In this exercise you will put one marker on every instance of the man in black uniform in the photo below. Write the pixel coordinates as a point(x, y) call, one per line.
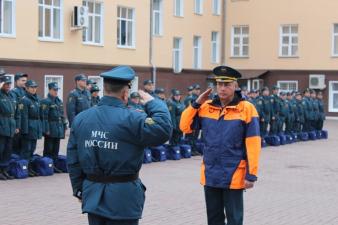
point(149, 87)
point(95, 98)
point(78, 99)
point(53, 122)
point(135, 102)
point(320, 121)
point(160, 93)
point(31, 123)
point(188, 97)
point(17, 94)
point(176, 107)
point(276, 102)
point(10, 119)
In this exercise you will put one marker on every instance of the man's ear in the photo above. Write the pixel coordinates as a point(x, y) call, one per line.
point(125, 94)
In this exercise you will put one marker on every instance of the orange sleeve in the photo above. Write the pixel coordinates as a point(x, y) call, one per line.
point(187, 119)
point(252, 143)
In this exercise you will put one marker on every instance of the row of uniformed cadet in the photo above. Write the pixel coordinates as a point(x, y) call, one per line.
point(288, 113)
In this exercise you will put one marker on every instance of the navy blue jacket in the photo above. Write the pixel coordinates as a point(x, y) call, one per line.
point(108, 140)
point(175, 108)
point(17, 94)
point(53, 120)
point(9, 115)
point(95, 100)
point(31, 125)
point(78, 101)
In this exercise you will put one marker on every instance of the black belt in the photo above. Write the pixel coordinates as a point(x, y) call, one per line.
point(112, 179)
point(7, 116)
point(56, 120)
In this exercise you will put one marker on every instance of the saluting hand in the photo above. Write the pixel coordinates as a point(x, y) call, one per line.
point(146, 97)
point(204, 96)
point(1, 84)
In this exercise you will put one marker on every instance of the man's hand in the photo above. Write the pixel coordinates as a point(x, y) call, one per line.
point(17, 131)
point(204, 96)
point(1, 84)
point(248, 184)
point(146, 97)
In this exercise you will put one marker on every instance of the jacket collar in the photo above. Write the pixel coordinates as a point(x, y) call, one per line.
point(81, 91)
point(33, 97)
point(111, 101)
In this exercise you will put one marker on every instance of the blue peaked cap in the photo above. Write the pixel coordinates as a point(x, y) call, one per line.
point(120, 73)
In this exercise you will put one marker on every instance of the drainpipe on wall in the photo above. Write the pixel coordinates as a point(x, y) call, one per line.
point(151, 46)
point(223, 24)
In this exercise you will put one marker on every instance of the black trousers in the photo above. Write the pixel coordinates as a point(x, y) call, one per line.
point(28, 148)
point(219, 200)
point(5, 151)
point(175, 138)
point(17, 143)
point(51, 147)
point(99, 220)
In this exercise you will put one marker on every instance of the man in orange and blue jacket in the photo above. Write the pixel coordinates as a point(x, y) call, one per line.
point(230, 127)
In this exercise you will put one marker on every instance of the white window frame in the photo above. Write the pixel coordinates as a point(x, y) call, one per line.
point(99, 84)
point(13, 34)
point(51, 39)
point(197, 50)
point(288, 82)
point(334, 54)
point(216, 44)
point(180, 51)
point(160, 12)
point(134, 85)
point(198, 7)
point(290, 35)
point(241, 45)
point(257, 84)
point(181, 2)
point(331, 93)
point(101, 16)
point(133, 20)
point(216, 7)
point(60, 92)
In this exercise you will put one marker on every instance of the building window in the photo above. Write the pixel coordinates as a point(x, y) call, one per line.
point(99, 82)
point(287, 85)
point(54, 78)
point(240, 41)
point(199, 7)
point(50, 20)
point(125, 27)
point(335, 40)
point(333, 96)
point(157, 17)
point(93, 34)
point(288, 41)
point(216, 7)
point(178, 7)
point(177, 55)
point(197, 54)
point(134, 85)
point(257, 84)
point(7, 17)
point(214, 47)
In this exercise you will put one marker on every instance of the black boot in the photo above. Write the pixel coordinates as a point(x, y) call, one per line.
point(9, 177)
point(57, 170)
point(2, 176)
point(31, 172)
